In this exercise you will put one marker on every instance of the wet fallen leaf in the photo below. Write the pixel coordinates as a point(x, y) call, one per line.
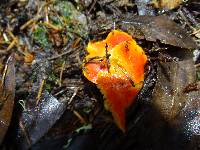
point(159, 28)
point(168, 94)
point(179, 107)
point(116, 65)
point(35, 122)
point(167, 4)
point(7, 94)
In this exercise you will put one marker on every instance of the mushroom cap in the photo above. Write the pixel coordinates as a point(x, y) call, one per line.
point(116, 65)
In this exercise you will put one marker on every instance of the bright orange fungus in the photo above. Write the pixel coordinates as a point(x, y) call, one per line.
point(116, 65)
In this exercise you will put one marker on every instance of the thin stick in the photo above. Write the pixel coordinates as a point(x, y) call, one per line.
point(31, 21)
point(92, 6)
point(61, 73)
point(58, 56)
point(40, 92)
point(82, 120)
point(46, 14)
point(5, 71)
point(195, 32)
point(4, 75)
point(5, 37)
point(107, 58)
point(12, 44)
point(51, 26)
point(25, 133)
point(74, 94)
point(197, 65)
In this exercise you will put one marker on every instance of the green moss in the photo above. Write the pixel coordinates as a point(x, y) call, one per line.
point(66, 9)
point(75, 21)
point(40, 37)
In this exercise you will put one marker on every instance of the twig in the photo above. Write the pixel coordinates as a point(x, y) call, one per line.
point(4, 51)
point(107, 58)
point(5, 37)
point(31, 21)
point(12, 44)
point(61, 73)
point(82, 120)
point(197, 65)
point(52, 26)
point(60, 55)
point(25, 133)
point(60, 92)
point(15, 42)
point(46, 14)
point(195, 32)
point(40, 92)
point(5, 70)
point(93, 4)
point(74, 94)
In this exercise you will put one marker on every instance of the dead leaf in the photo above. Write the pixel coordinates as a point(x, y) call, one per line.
point(7, 94)
point(159, 28)
point(166, 4)
point(35, 122)
point(181, 109)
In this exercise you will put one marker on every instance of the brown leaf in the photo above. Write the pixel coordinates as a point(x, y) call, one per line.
point(181, 109)
point(42, 118)
point(7, 94)
point(159, 28)
point(168, 94)
point(167, 4)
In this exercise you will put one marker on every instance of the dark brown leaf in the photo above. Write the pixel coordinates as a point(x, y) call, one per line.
point(35, 122)
point(180, 108)
point(7, 94)
point(159, 28)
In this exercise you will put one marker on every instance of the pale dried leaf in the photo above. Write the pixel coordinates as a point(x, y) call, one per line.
point(167, 4)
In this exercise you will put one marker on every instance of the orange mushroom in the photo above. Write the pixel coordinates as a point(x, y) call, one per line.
point(116, 65)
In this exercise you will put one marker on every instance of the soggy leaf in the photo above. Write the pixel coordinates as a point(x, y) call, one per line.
point(35, 122)
point(160, 28)
point(173, 77)
point(179, 107)
point(7, 94)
